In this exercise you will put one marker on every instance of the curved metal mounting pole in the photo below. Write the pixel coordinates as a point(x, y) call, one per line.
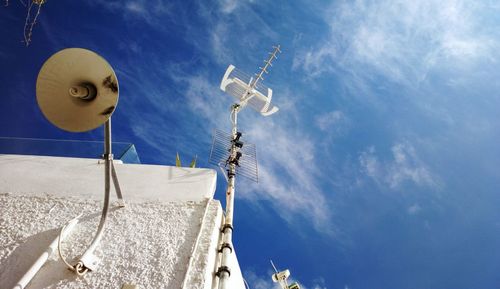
point(88, 261)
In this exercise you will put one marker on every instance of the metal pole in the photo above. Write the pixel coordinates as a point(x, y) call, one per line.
point(89, 261)
point(226, 249)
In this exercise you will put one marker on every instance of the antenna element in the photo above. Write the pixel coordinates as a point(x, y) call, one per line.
point(281, 278)
point(247, 89)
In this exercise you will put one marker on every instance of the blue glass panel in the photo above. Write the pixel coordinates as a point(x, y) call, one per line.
point(125, 152)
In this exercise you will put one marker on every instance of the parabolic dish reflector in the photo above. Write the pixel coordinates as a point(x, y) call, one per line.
point(77, 90)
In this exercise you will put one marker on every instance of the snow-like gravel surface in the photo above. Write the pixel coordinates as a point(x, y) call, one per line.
point(147, 244)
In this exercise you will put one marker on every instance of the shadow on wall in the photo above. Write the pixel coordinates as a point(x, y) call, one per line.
point(20, 261)
point(25, 255)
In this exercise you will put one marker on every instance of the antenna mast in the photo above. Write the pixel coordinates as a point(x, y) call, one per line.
point(246, 90)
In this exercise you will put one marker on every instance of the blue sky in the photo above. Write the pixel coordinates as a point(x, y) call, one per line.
point(379, 170)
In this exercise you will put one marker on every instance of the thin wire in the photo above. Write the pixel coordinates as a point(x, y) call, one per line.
point(59, 246)
point(26, 22)
point(223, 172)
point(246, 284)
point(33, 23)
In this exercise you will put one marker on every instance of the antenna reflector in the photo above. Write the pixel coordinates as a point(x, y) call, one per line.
point(221, 152)
point(77, 90)
point(246, 90)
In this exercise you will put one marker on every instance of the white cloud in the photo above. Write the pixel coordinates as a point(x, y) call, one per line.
point(288, 174)
point(219, 41)
point(228, 6)
point(150, 11)
point(369, 163)
point(330, 120)
point(405, 166)
point(226, 28)
point(414, 209)
point(402, 40)
point(313, 61)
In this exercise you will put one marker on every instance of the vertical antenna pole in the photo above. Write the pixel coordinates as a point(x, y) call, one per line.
point(89, 261)
point(227, 245)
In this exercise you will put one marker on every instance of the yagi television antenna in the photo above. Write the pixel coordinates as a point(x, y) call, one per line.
point(230, 153)
point(77, 91)
point(247, 90)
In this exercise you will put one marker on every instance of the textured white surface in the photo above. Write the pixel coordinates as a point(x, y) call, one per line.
point(148, 243)
point(145, 244)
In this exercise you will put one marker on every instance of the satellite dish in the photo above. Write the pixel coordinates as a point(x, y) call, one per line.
point(77, 90)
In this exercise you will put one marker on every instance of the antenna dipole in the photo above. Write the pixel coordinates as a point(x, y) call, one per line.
point(274, 267)
point(259, 76)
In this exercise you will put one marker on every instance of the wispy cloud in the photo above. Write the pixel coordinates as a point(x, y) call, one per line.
point(414, 209)
point(234, 24)
point(331, 121)
point(401, 40)
point(228, 6)
point(405, 166)
point(149, 11)
point(288, 175)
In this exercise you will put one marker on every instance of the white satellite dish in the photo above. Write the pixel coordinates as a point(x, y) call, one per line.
point(77, 91)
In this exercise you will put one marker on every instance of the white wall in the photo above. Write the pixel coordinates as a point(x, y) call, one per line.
point(148, 243)
point(85, 178)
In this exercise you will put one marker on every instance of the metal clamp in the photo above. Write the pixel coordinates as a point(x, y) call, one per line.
point(226, 226)
point(225, 245)
point(107, 157)
point(223, 269)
